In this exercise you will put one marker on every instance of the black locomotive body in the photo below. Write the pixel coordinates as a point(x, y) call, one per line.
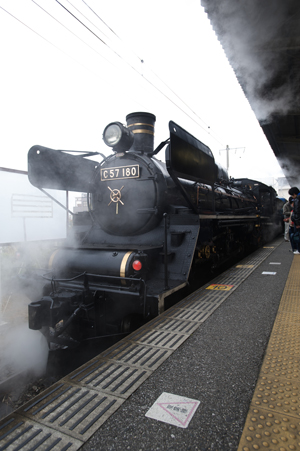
point(149, 228)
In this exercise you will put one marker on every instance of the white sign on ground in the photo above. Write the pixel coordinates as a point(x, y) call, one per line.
point(173, 409)
point(274, 263)
point(269, 273)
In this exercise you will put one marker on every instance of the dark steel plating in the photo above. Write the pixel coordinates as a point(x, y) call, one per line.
point(173, 218)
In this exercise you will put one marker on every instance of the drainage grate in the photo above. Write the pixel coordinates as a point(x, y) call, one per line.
point(191, 315)
point(20, 433)
point(73, 410)
point(173, 325)
point(161, 338)
point(143, 356)
point(109, 377)
point(206, 300)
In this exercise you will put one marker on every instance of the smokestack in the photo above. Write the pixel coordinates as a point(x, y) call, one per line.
point(142, 125)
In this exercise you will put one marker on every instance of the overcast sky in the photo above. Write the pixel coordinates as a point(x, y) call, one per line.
point(64, 78)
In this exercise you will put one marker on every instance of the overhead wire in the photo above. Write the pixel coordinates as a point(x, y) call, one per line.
point(100, 19)
point(54, 45)
point(101, 55)
point(74, 34)
point(57, 47)
point(103, 42)
point(31, 29)
point(142, 61)
point(120, 56)
point(50, 42)
point(145, 78)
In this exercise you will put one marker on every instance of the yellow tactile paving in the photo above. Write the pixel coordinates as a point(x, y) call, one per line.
point(283, 346)
point(278, 395)
point(270, 431)
point(280, 366)
point(289, 301)
point(287, 318)
point(273, 420)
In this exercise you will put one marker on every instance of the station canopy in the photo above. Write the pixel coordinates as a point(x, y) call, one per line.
point(261, 40)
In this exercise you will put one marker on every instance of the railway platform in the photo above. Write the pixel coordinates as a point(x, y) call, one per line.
point(219, 371)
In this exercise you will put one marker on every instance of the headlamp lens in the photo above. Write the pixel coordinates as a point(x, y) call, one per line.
point(112, 135)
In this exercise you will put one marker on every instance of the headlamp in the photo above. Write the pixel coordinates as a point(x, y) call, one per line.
point(118, 137)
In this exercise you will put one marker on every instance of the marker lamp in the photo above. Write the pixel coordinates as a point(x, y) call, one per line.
point(137, 265)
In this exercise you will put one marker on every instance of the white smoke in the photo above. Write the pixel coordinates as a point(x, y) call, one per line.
point(24, 350)
point(251, 34)
point(290, 170)
point(21, 349)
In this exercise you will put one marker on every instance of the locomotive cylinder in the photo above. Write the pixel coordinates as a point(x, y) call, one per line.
point(77, 261)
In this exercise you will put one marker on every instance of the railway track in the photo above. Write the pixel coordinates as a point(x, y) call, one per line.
point(19, 386)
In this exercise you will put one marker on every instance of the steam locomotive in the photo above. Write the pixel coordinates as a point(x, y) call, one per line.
point(149, 228)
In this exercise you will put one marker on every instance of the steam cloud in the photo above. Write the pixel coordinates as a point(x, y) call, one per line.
point(258, 41)
point(25, 349)
point(22, 349)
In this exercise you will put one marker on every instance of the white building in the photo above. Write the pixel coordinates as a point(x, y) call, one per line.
point(28, 214)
